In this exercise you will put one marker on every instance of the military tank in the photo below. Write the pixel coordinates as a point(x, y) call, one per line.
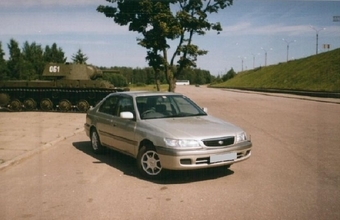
point(66, 87)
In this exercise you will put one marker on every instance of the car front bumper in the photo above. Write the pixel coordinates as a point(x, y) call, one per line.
point(203, 158)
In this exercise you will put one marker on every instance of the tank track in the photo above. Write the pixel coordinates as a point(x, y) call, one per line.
point(53, 99)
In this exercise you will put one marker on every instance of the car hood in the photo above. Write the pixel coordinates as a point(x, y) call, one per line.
point(194, 127)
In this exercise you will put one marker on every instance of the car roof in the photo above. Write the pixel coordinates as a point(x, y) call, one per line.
point(147, 93)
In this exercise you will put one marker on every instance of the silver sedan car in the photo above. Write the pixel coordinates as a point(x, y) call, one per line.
point(164, 131)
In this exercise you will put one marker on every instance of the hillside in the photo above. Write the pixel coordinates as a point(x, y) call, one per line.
point(320, 73)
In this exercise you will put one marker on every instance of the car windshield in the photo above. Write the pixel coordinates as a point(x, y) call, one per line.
point(167, 106)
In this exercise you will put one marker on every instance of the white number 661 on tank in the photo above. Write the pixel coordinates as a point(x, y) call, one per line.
point(54, 69)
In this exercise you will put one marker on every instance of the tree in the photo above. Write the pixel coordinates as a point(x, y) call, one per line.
point(79, 57)
point(230, 74)
point(159, 23)
point(115, 79)
point(15, 63)
point(33, 61)
point(3, 65)
point(54, 54)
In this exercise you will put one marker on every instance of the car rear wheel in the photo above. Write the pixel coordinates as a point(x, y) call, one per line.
point(148, 162)
point(95, 142)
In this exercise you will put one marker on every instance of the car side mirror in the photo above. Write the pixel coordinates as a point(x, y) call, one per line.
point(126, 115)
point(205, 109)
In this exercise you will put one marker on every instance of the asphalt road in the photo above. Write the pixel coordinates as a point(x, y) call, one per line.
point(293, 173)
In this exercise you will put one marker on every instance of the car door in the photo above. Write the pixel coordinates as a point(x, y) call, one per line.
point(123, 130)
point(106, 114)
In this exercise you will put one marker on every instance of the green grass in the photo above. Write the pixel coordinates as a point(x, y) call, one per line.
point(315, 73)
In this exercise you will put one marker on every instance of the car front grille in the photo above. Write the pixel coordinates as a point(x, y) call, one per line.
point(218, 142)
point(206, 160)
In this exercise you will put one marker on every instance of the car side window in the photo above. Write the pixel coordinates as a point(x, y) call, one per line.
point(109, 106)
point(125, 104)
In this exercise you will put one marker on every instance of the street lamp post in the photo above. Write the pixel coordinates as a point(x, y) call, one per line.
point(288, 42)
point(317, 37)
point(265, 56)
point(254, 59)
point(242, 61)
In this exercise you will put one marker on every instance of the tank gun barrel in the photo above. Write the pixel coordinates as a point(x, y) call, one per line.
point(110, 71)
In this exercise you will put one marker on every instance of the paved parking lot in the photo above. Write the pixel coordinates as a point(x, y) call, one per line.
point(25, 133)
point(294, 171)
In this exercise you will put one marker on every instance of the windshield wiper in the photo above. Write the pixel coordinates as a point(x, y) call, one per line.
point(187, 115)
point(200, 114)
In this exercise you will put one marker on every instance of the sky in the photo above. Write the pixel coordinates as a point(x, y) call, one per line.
point(255, 32)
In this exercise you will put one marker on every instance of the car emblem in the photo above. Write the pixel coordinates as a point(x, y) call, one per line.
point(220, 142)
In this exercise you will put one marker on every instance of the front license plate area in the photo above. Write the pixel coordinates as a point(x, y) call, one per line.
point(223, 157)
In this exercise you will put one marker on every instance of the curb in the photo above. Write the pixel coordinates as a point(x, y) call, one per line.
point(289, 95)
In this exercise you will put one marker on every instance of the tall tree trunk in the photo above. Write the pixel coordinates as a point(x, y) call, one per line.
point(170, 78)
point(172, 85)
point(158, 85)
point(157, 81)
point(169, 75)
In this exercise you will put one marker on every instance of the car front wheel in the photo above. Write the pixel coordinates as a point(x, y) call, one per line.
point(148, 162)
point(95, 143)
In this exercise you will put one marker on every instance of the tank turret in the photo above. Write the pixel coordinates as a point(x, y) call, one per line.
point(65, 87)
point(72, 71)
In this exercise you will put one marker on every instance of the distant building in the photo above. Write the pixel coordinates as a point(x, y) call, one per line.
point(182, 82)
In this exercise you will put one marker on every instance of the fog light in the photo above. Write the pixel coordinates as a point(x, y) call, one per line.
point(185, 161)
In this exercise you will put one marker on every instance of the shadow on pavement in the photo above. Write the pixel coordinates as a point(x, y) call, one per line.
point(127, 165)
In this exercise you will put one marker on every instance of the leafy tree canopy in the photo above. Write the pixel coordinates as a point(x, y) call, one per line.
point(54, 54)
point(79, 57)
point(3, 65)
point(15, 62)
point(33, 60)
point(229, 75)
point(167, 20)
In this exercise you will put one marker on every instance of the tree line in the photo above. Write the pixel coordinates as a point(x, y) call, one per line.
point(28, 62)
point(146, 76)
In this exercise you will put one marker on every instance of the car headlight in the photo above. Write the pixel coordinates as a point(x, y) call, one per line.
point(182, 143)
point(241, 137)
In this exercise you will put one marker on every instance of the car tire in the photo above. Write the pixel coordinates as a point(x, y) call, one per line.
point(148, 162)
point(97, 148)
